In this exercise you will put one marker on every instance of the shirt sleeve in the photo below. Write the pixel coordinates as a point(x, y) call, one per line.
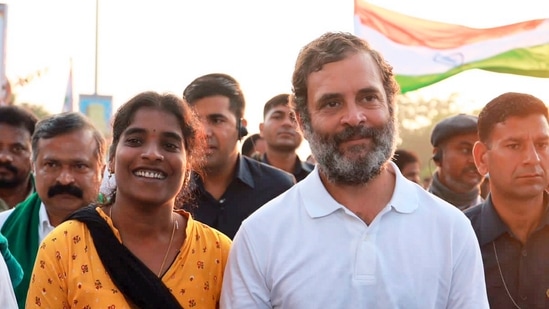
point(244, 284)
point(468, 288)
point(47, 287)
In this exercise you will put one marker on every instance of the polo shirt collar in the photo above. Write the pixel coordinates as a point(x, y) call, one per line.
point(243, 172)
point(319, 203)
point(492, 226)
point(405, 197)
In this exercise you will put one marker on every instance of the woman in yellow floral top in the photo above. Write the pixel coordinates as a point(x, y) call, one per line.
point(136, 251)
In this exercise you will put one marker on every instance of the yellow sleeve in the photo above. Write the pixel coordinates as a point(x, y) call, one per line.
point(48, 288)
point(226, 244)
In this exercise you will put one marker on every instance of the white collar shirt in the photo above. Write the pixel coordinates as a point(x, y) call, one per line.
point(44, 225)
point(305, 250)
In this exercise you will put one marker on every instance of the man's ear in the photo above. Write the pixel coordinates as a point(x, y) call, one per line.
point(300, 126)
point(437, 156)
point(261, 125)
point(480, 155)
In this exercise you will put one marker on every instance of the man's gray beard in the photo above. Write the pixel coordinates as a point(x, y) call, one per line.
point(364, 165)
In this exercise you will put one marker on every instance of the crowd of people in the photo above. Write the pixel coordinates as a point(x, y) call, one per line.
point(172, 214)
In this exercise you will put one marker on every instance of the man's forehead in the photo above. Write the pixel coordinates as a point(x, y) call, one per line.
point(8, 131)
point(281, 108)
point(218, 103)
point(55, 150)
point(65, 158)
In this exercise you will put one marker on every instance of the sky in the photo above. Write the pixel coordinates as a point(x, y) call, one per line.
point(163, 45)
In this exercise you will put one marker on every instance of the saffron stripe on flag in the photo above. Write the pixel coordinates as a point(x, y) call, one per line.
point(520, 48)
point(413, 31)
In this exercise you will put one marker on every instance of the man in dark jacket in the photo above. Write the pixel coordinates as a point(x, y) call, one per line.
point(233, 186)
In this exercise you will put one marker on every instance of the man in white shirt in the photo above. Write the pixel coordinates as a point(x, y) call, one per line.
point(354, 233)
point(68, 155)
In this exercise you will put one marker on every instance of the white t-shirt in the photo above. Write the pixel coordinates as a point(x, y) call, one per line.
point(7, 296)
point(305, 250)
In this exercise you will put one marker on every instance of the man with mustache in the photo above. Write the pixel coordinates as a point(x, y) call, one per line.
point(512, 225)
point(354, 233)
point(456, 179)
point(281, 134)
point(233, 186)
point(68, 155)
point(16, 180)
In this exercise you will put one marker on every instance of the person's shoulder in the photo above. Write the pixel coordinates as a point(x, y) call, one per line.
point(209, 233)
point(270, 223)
point(284, 205)
point(68, 229)
point(65, 236)
point(436, 206)
point(473, 213)
point(207, 236)
point(407, 191)
point(260, 169)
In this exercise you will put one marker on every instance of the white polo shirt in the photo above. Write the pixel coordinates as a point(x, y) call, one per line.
point(305, 250)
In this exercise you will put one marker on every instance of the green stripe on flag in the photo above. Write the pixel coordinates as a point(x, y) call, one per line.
point(533, 61)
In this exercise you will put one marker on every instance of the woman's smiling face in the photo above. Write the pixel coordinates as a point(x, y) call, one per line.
point(150, 159)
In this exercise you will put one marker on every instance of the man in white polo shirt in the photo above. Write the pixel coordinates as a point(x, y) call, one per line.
point(354, 233)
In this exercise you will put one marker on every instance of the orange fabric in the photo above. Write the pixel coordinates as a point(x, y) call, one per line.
point(413, 31)
point(69, 273)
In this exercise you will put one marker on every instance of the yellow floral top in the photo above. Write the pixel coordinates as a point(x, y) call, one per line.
point(68, 272)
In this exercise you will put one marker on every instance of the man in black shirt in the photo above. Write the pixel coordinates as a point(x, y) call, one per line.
point(233, 186)
point(281, 134)
point(512, 225)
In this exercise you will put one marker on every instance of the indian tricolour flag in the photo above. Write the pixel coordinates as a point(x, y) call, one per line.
point(424, 52)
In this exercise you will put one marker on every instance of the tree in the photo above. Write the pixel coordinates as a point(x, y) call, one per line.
point(416, 118)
